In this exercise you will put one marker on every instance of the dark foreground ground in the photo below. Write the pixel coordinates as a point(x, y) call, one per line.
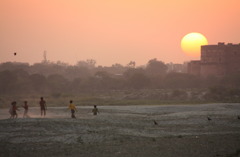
point(125, 131)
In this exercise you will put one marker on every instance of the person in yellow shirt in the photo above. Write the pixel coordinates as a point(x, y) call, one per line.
point(73, 109)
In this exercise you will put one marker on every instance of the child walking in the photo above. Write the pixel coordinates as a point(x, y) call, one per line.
point(25, 106)
point(14, 110)
point(95, 110)
point(73, 109)
point(43, 106)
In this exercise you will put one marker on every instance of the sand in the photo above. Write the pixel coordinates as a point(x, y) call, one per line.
point(124, 131)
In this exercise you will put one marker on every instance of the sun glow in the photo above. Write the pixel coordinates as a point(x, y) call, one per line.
point(192, 42)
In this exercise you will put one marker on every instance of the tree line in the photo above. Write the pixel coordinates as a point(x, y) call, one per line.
point(85, 76)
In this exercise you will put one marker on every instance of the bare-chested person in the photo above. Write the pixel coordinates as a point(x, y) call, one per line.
point(43, 106)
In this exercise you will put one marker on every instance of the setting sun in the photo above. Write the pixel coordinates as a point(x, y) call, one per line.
point(192, 42)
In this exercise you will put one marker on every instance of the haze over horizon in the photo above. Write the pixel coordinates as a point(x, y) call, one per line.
point(111, 31)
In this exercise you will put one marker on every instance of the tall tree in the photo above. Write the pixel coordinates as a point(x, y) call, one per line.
point(156, 68)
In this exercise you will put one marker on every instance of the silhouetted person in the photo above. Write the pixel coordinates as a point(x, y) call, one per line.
point(73, 109)
point(238, 117)
point(25, 106)
point(14, 110)
point(43, 106)
point(95, 110)
point(11, 110)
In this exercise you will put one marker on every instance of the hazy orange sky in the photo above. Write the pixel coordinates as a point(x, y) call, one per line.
point(111, 31)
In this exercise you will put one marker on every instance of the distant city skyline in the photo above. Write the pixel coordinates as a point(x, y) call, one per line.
point(111, 31)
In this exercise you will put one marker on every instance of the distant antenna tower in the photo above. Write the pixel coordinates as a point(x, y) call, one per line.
point(45, 56)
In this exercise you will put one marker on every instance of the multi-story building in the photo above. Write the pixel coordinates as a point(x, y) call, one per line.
point(180, 68)
point(194, 67)
point(218, 60)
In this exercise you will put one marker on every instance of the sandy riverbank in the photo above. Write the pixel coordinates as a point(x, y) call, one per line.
point(182, 130)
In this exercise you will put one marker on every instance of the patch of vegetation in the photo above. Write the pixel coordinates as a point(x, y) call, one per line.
point(87, 84)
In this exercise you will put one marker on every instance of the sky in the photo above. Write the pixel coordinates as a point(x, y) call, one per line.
point(111, 31)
